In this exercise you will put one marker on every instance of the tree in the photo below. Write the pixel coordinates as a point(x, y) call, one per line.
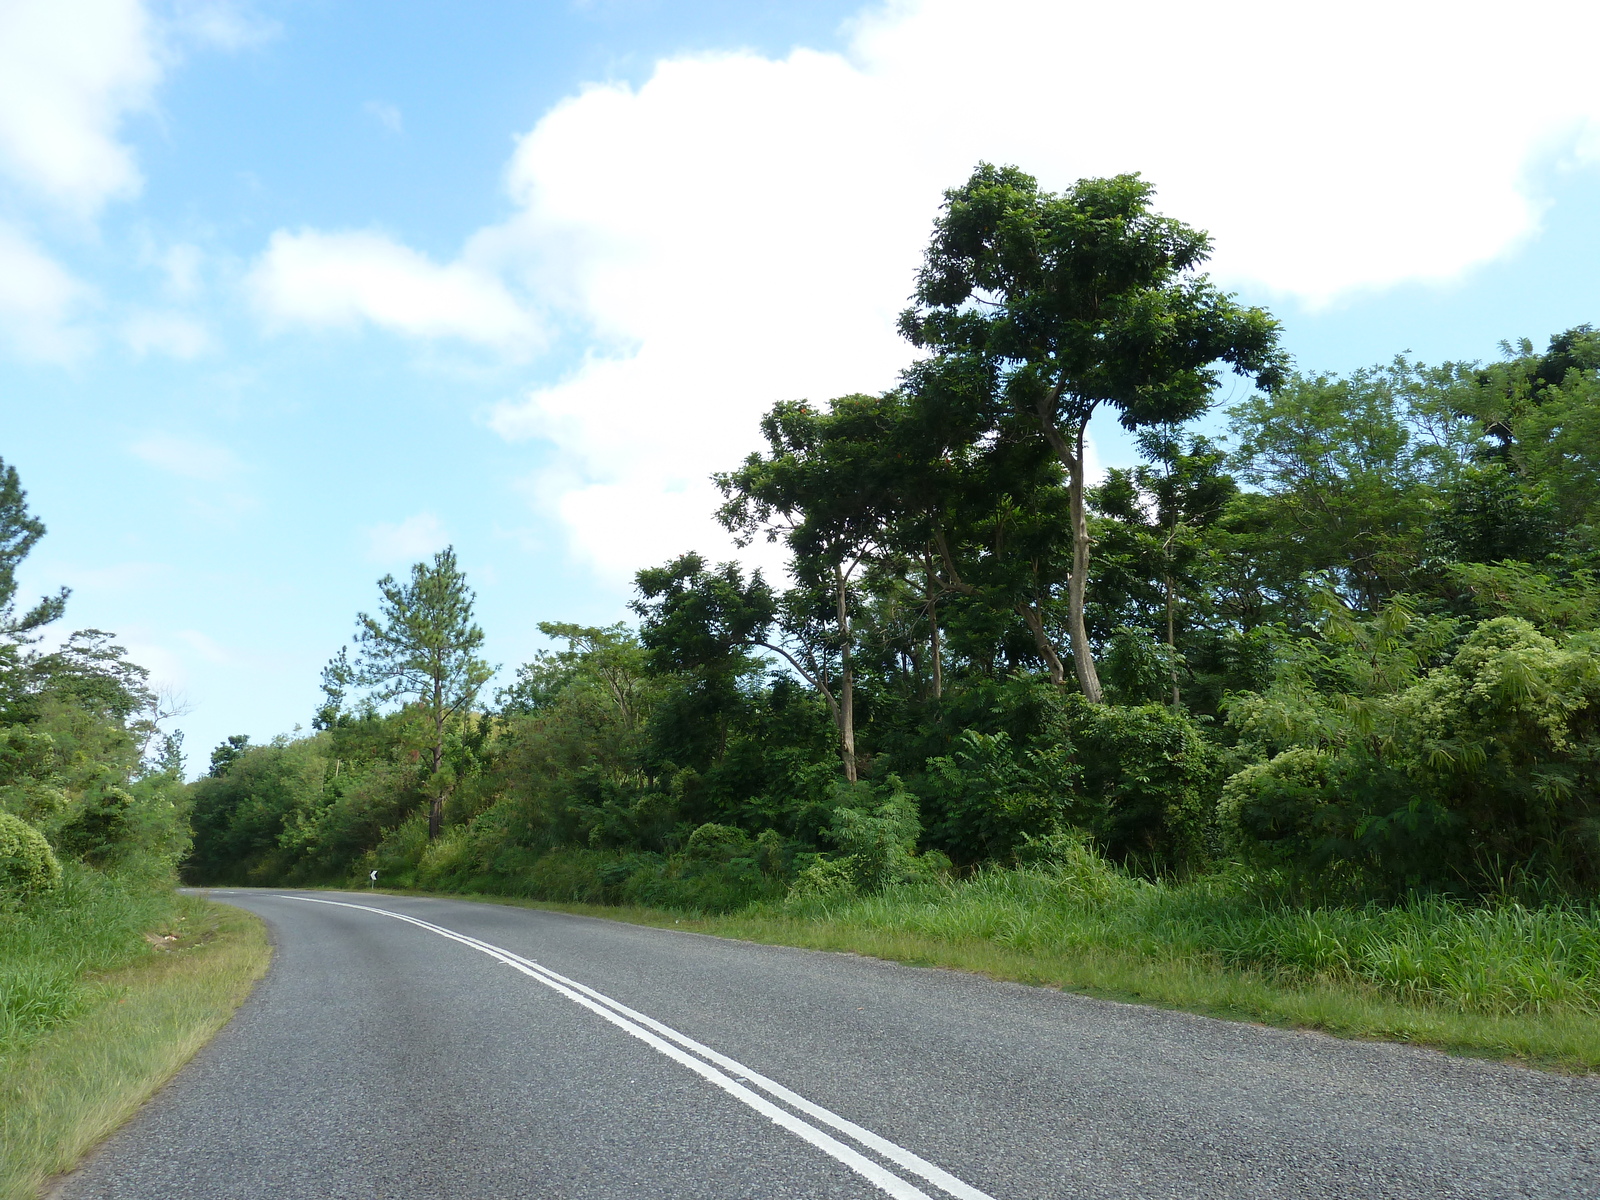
point(1156, 517)
point(1350, 468)
point(227, 753)
point(704, 620)
point(423, 646)
point(20, 531)
point(610, 659)
point(984, 514)
point(1076, 300)
point(826, 489)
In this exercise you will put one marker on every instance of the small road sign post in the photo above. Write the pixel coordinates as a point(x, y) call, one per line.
point(372, 881)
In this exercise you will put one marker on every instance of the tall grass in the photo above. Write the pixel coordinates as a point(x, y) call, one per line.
point(54, 948)
point(66, 1083)
point(1494, 959)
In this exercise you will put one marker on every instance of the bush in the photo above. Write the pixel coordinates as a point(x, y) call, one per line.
point(878, 846)
point(1154, 780)
point(97, 831)
point(27, 865)
point(717, 843)
point(1481, 772)
point(1277, 809)
point(989, 795)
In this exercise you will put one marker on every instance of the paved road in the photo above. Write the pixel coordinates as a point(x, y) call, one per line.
point(475, 1050)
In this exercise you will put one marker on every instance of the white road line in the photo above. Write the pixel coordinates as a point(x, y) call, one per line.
point(646, 1030)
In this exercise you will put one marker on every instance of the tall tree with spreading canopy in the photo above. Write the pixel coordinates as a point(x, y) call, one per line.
point(827, 488)
point(423, 647)
point(1076, 300)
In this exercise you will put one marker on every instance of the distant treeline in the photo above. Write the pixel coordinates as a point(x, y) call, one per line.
point(1356, 642)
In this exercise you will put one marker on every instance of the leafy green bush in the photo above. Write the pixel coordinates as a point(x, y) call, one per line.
point(1478, 771)
point(717, 843)
point(1153, 779)
point(983, 799)
point(1280, 808)
point(27, 865)
point(98, 828)
point(877, 839)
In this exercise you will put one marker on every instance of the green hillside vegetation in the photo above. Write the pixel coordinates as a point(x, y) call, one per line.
point(1316, 698)
point(93, 825)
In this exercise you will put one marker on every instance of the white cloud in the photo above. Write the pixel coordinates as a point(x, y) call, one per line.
point(190, 458)
point(739, 229)
point(181, 263)
point(343, 279)
point(167, 668)
point(408, 541)
point(386, 115)
point(39, 300)
point(221, 24)
point(70, 70)
point(172, 334)
point(71, 73)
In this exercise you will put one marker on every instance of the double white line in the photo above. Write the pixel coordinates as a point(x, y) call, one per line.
point(726, 1073)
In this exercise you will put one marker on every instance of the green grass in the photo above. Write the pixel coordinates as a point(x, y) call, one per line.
point(105, 991)
point(1505, 980)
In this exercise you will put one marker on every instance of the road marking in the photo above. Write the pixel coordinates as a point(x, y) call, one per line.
point(661, 1038)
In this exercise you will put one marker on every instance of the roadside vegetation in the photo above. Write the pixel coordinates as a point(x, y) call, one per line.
point(109, 980)
point(1308, 701)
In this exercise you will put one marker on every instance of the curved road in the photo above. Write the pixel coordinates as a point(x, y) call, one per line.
point(408, 1048)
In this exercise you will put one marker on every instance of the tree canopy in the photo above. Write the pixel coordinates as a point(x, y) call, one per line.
point(1070, 301)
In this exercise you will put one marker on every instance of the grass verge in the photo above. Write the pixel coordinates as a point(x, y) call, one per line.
point(64, 1090)
point(1153, 950)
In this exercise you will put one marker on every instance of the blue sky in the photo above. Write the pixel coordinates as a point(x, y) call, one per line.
point(292, 294)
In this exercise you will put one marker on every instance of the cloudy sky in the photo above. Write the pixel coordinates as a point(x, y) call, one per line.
point(297, 291)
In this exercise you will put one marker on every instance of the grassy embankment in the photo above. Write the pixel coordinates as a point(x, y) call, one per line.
point(106, 989)
point(1505, 980)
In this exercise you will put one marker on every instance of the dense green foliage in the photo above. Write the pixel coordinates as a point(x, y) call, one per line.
point(1352, 650)
point(27, 864)
point(93, 811)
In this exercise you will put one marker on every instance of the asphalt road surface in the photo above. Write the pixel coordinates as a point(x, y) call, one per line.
point(445, 1049)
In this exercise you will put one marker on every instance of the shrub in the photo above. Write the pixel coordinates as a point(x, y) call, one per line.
point(1480, 771)
point(445, 863)
point(98, 830)
point(1153, 779)
point(878, 846)
point(1273, 809)
point(823, 879)
point(988, 795)
point(717, 843)
point(27, 865)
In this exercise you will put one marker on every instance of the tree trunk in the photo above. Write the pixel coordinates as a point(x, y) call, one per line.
point(1071, 456)
point(1034, 620)
point(1082, 656)
point(1172, 641)
point(935, 646)
point(847, 691)
point(436, 806)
